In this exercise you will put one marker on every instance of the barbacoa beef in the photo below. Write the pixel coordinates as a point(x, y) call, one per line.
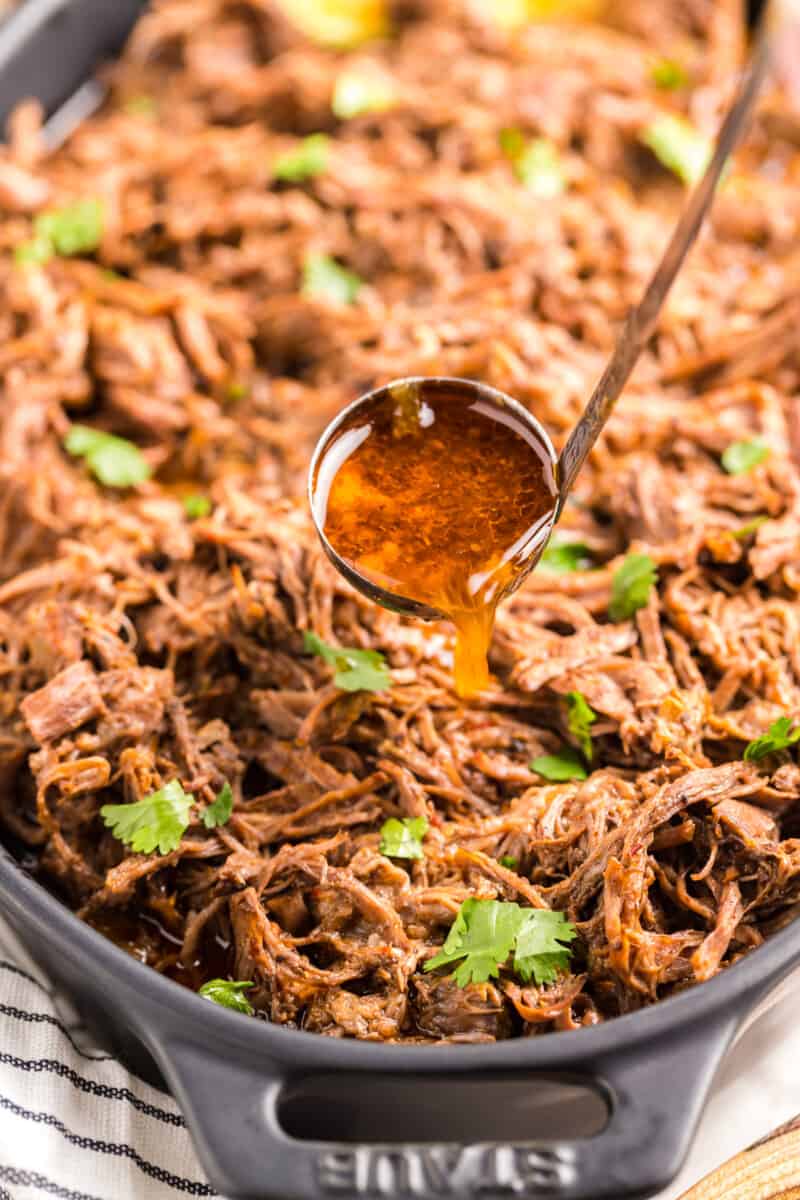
point(139, 645)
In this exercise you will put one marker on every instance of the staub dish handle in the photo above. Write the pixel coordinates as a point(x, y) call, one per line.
point(654, 1092)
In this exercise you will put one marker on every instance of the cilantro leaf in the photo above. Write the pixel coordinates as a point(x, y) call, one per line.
point(237, 391)
point(308, 159)
point(740, 457)
point(540, 955)
point(159, 819)
point(580, 717)
point(486, 931)
point(75, 229)
point(508, 860)
point(483, 935)
point(781, 734)
point(196, 505)
point(561, 767)
point(357, 92)
point(325, 279)
point(744, 531)
point(339, 23)
point(401, 837)
point(562, 557)
point(669, 75)
point(678, 146)
point(220, 809)
point(631, 586)
point(141, 106)
point(35, 252)
point(356, 670)
point(115, 461)
point(536, 162)
point(228, 993)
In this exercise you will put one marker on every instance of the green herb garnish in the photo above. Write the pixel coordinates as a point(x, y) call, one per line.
point(781, 734)
point(580, 717)
point(678, 146)
point(141, 106)
point(220, 809)
point(508, 860)
point(562, 557)
point(159, 819)
point(325, 279)
point(228, 993)
point(196, 505)
point(355, 670)
point(401, 837)
point(561, 767)
point(485, 932)
point(744, 531)
point(669, 75)
point(740, 457)
point(536, 162)
point(113, 460)
point(308, 159)
point(359, 92)
point(631, 586)
point(75, 229)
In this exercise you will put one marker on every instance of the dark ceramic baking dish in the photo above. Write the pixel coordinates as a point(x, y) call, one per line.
point(276, 1114)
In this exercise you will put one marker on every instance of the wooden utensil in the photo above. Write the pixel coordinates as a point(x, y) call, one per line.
point(768, 1170)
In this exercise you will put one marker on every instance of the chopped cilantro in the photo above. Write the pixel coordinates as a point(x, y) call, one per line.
point(113, 460)
point(781, 734)
point(159, 819)
point(357, 92)
point(536, 162)
point(540, 954)
point(196, 505)
point(220, 809)
point(740, 457)
point(237, 391)
point(141, 106)
point(325, 279)
point(75, 229)
point(402, 837)
point(631, 586)
point(508, 860)
point(562, 557)
point(355, 670)
point(485, 932)
point(580, 717)
point(678, 146)
point(744, 531)
point(228, 993)
point(308, 159)
point(561, 767)
point(669, 75)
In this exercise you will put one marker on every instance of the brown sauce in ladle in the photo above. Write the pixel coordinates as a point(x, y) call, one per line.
point(440, 492)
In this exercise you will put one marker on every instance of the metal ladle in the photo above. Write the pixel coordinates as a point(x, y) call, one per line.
point(636, 331)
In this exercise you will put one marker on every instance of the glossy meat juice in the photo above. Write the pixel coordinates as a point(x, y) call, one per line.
point(439, 496)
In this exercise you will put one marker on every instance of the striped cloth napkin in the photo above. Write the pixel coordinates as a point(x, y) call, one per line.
point(74, 1123)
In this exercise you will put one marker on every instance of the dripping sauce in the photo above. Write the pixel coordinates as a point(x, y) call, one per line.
point(442, 496)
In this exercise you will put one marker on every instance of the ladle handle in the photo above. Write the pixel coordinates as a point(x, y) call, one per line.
point(641, 320)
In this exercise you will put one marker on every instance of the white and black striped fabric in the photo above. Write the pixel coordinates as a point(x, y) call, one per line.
point(74, 1123)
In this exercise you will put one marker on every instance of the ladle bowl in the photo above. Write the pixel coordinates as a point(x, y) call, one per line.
point(470, 391)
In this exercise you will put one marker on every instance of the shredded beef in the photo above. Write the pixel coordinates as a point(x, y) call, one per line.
point(139, 646)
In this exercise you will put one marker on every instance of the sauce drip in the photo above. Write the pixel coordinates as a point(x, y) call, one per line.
point(440, 496)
